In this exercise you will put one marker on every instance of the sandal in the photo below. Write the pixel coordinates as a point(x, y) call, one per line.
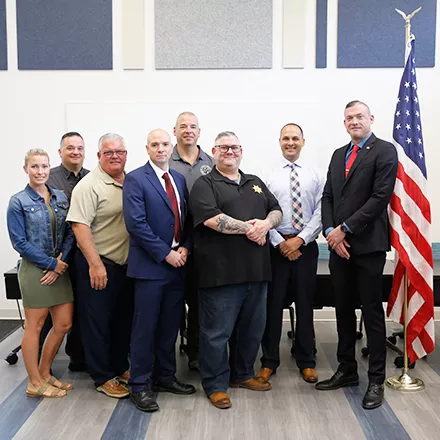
point(39, 392)
point(64, 385)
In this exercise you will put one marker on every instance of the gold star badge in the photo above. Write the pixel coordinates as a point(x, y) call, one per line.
point(257, 189)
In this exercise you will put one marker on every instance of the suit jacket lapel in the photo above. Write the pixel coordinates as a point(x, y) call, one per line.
point(361, 155)
point(341, 161)
point(154, 180)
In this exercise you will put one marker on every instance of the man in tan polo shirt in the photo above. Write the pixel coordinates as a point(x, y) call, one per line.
point(105, 293)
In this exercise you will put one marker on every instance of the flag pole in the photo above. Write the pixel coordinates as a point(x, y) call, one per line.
point(405, 382)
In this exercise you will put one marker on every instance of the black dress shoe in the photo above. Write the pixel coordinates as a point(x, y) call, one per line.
point(77, 365)
point(194, 365)
point(338, 380)
point(144, 401)
point(175, 387)
point(373, 397)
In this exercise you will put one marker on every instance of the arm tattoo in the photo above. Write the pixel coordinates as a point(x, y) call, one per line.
point(275, 218)
point(229, 225)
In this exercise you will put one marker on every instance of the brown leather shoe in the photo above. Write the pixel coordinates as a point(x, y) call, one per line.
point(124, 377)
point(220, 400)
point(309, 375)
point(252, 384)
point(264, 375)
point(112, 388)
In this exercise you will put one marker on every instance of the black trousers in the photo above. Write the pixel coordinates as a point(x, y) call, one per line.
point(359, 280)
point(105, 319)
point(192, 300)
point(291, 281)
point(74, 346)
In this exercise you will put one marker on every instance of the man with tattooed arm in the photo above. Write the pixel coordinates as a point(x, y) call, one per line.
point(233, 213)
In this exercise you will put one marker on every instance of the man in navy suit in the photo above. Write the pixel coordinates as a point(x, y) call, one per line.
point(155, 205)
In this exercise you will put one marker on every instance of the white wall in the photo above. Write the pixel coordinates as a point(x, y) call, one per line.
point(38, 107)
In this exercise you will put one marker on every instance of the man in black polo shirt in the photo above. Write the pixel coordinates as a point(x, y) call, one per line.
point(192, 162)
point(64, 177)
point(233, 213)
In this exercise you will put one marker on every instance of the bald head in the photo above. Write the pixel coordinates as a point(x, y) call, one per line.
point(159, 148)
point(187, 130)
point(157, 132)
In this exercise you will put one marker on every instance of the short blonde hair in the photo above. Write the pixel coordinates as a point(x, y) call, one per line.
point(35, 152)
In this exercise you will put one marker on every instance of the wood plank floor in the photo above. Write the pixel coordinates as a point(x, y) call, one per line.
point(293, 409)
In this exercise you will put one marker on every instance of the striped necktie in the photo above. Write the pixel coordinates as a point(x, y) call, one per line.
point(295, 193)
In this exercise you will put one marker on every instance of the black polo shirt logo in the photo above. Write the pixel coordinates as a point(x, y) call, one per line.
point(257, 189)
point(205, 169)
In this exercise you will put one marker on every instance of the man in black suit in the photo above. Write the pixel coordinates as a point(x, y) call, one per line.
point(359, 186)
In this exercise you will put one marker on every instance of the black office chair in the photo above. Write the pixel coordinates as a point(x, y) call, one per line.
point(13, 292)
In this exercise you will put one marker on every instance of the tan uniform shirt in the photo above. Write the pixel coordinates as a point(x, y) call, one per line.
point(97, 203)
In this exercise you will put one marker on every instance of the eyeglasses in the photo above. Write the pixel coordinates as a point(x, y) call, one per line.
point(119, 153)
point(225, 148)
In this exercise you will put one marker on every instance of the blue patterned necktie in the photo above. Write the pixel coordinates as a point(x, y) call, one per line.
point(295, 193)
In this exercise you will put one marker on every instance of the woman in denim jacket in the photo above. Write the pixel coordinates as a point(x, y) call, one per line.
point(39, 232)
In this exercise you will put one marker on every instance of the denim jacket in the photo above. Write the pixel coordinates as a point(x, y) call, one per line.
point(30, 229)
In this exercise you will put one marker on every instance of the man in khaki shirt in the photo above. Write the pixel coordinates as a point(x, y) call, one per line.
point(105, 293)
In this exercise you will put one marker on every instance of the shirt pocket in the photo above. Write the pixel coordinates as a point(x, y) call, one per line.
point(34, 224)
point(33, 213)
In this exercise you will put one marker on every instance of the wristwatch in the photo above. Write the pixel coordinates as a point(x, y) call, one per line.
point(344, 228)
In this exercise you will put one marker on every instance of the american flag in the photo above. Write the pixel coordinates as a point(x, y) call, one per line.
point(410, 218)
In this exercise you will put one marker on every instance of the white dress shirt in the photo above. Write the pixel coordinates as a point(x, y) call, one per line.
point(312, 181)
point(159, 172)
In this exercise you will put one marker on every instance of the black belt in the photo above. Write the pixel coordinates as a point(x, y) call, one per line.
point(106, 260)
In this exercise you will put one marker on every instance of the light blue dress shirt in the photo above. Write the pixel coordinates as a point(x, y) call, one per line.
point(277, 179)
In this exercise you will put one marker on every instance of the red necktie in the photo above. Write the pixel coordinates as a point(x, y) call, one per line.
point(351, 159)
point(173, 200)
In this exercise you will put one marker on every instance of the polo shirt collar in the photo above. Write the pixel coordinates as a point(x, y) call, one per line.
point(175, 155)
point(106, 178)
point(219, 177)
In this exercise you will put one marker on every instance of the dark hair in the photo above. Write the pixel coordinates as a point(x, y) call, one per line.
point(70, 134)
point(295, 125)
point(225, 134)
point(356, 101)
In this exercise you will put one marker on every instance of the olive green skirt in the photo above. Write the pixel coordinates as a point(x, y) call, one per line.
point(37, 296)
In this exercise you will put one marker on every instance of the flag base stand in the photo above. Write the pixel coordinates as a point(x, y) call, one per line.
point(404, 382)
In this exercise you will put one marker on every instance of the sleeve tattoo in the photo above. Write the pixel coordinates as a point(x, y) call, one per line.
point(275, 218)
point(229, 225)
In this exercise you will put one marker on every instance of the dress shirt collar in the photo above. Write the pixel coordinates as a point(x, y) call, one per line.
point(159, 171)
point(284, 162)
point(362, 142)
point(68, 173)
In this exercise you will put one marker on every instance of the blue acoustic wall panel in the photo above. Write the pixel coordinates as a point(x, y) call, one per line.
point(321, 33)
point(372, 34)
point(64, 34)
point(213, 34)
point(3, 41)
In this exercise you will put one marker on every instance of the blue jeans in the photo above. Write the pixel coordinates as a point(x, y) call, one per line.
point(234, 313)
